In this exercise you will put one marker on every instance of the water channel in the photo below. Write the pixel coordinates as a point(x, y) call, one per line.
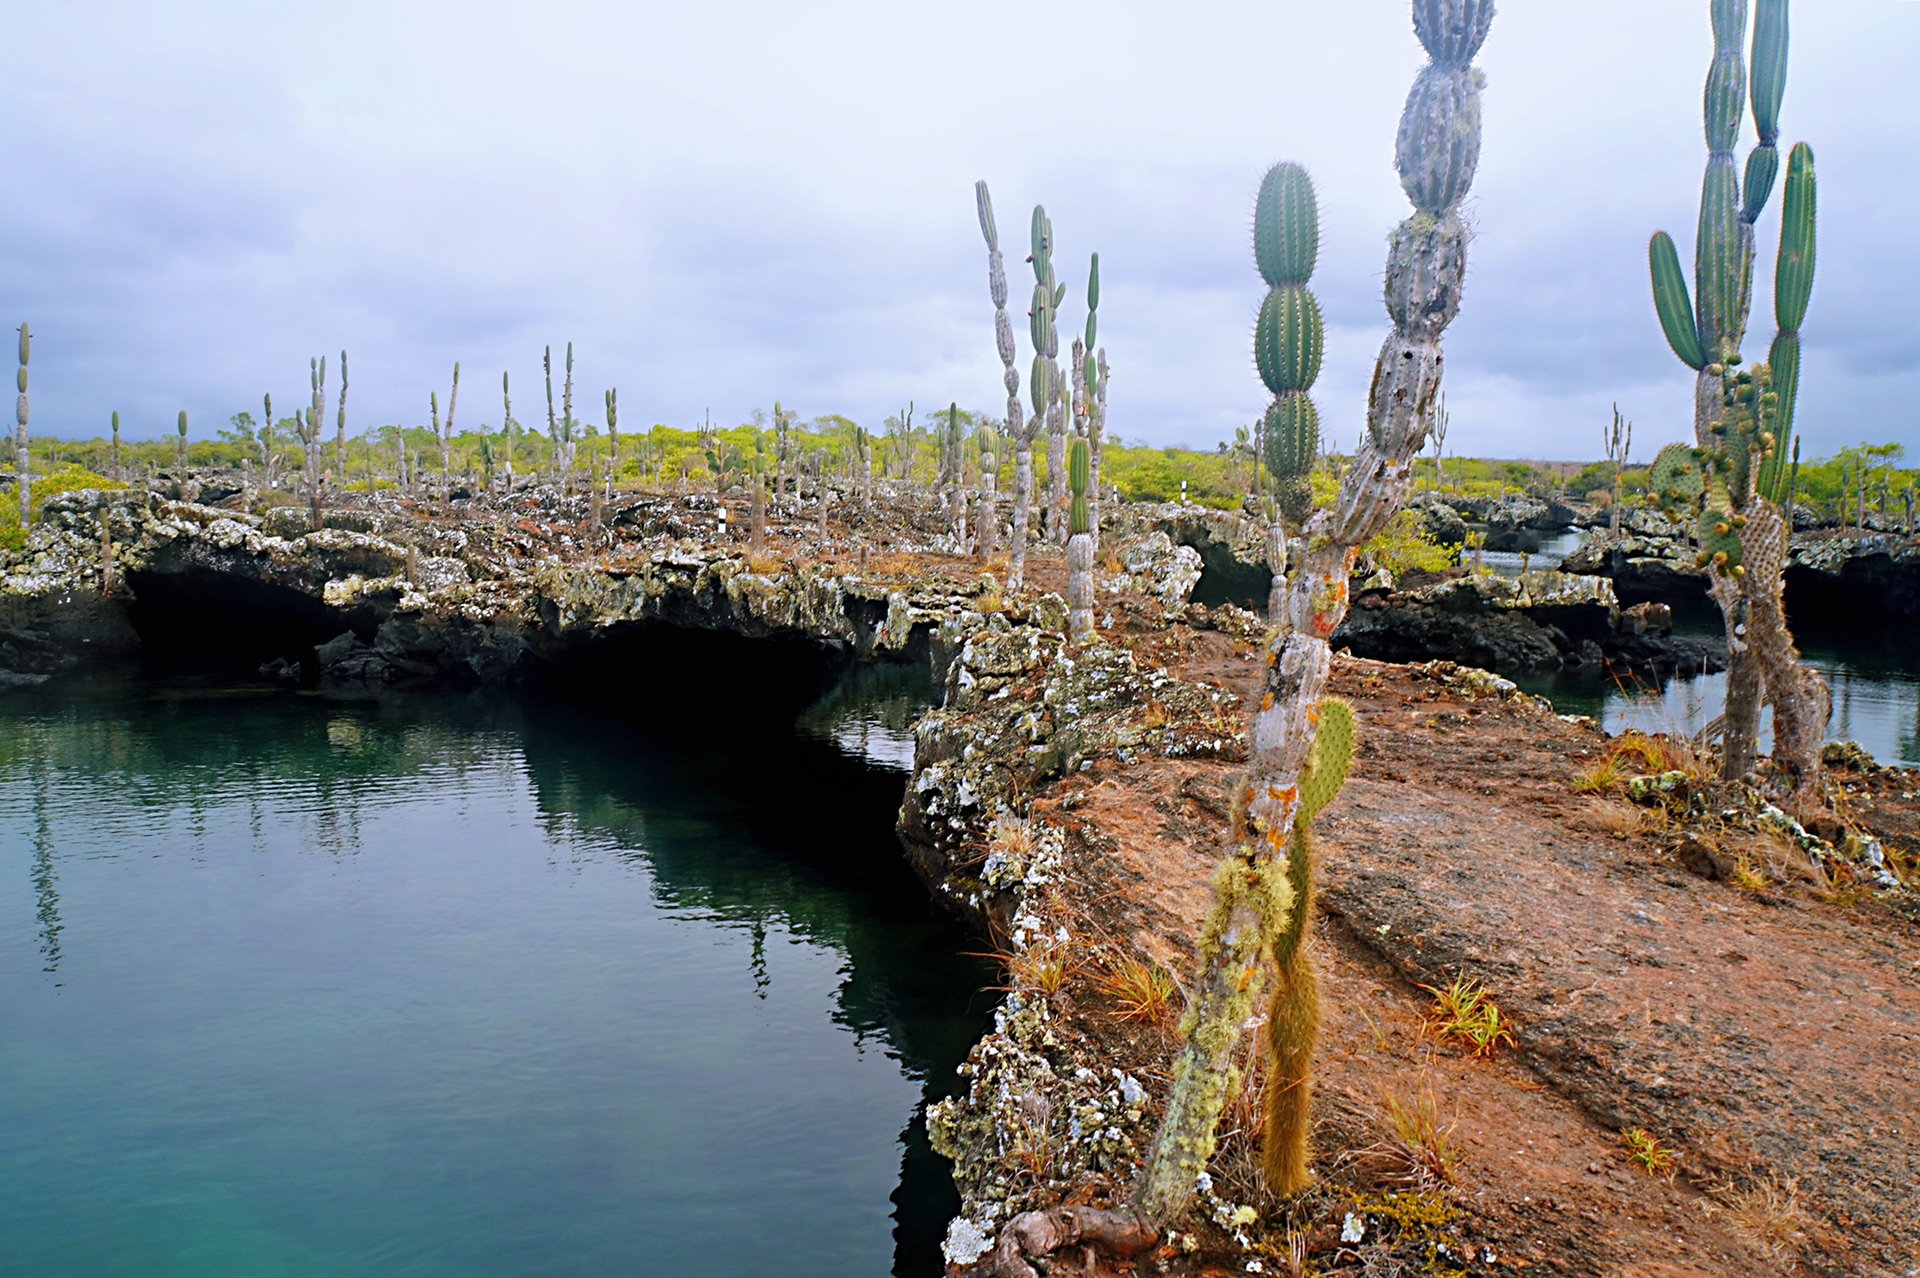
point(1875, 676)
point(464, 985)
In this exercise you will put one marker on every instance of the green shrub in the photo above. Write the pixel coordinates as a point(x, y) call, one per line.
point(70, 479)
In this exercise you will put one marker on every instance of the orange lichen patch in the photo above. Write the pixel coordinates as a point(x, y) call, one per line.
point(1266, 702)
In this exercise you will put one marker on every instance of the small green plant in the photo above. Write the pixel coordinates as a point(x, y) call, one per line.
point(1406, 546)
point(71, 480)
point(1463, 1011)
point(1653, 1157)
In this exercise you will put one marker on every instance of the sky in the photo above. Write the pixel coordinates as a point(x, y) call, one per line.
point(733, 202)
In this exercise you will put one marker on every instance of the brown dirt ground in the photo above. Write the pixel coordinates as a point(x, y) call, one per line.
point(1766, 1037)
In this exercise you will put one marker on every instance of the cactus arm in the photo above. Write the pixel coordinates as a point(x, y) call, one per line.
point(1672, 303)
point(1079, 546)
point(21, 462)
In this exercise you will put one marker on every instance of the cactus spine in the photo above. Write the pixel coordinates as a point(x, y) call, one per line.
point(21, 465)
point(1437, 148)
point(1742, 421)
point(1289, 340)
point(1079, 545)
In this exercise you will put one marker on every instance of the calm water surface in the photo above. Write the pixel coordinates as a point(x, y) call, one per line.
point(296, 986)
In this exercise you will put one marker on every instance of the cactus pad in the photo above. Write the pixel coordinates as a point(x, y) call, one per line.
point(1292, 434)
point(1438, 147)
point(1720, 543)
point(1079, 471)
point(1676, 481)
point(1332, 756)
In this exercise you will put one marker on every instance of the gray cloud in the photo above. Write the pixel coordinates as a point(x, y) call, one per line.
point(735, 202)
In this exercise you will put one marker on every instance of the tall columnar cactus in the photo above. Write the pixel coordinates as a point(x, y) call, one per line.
point(1618, 439)
point(553, 422)
point(1436, 152)
point(510, 426)
point(22, 468)
point(118, 471)
point(340, 427)
point(613, 439)
point(567, 425)
point(1293, 1016)
point(953, 467)
point(1289, 340)
point(1019, 430)
point(181, 447)
point(1079, 544)
point(1743, 420)
point(987, 515)
point(1046, 382)
point(1090, 362)
point(444, 434)
point(314, 421)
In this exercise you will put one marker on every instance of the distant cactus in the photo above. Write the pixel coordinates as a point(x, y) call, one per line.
point(340, 428)
point(1618, 439)
point(988, 516)
point(506, 415)
point(119, 471)
point(1079, 546)
point(312, 423)
point(1743, 419)
point(1047, 387)
point(180, 449)
point(21, 465)
point(1436, 152)
point(613, 440)
point(1020, 431)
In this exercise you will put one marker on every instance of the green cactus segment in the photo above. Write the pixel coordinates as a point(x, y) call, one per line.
point(1726, 98)
point(1769, 68)
point(1289, 340)
point(26, 344)
point(1722, 261)
point(1452, 31)
point(1729, 21)
point(1793, 271)
point(183, 423)
point(1671, 301)
point(1437, 149)
point(983, 204)
point(1763, 168)
point(1286, 227)
point(1079, 474)
point(1676, 481)
point(1093, 294)
point(1328, 765)
point(1783, 362)
point(1292, 433)
point(1043, 382)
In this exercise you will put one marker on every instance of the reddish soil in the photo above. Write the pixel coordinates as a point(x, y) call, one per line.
point(1765, 1036)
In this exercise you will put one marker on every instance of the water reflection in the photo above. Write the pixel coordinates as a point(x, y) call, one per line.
point(461, 986)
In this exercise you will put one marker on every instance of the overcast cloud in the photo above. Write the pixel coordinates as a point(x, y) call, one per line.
point(730, 202)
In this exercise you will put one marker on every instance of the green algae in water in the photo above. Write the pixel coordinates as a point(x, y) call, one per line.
point(291, 986)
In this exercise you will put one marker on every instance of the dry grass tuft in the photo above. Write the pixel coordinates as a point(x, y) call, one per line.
point(1604, 777)
point(1415, 1152)
point(1618, 820)
point(1139, 989)
point(1768, 1211)
point(1464, 1012)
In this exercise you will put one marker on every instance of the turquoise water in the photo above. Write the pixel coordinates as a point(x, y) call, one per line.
point(296, 986)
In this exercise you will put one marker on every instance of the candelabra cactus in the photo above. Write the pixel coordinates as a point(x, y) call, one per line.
point(1436, 152)
point(22, 467)
point(1742, 421)
point(1289, 340)
point(1079, 545)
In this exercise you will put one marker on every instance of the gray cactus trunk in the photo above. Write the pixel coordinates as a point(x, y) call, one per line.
point(1080, 587)
point(1022, 509)
point(1057, 474)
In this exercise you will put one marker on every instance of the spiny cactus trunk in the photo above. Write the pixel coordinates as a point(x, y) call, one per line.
point(1293, 1031)
point(1437, 151)
point(1096, 436)
point(1022, 509)
point(1801, 699)
point(1080, 587)
point(1277, 565)
point(1057, 474)
point(987, 534)
point(22, 466)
